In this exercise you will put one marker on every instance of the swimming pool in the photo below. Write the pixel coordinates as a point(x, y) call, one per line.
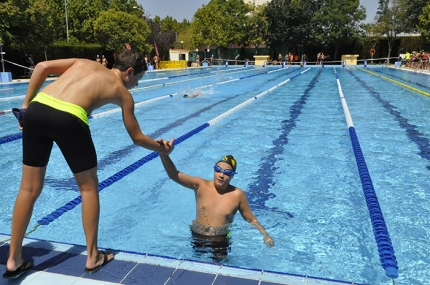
point(295, 162)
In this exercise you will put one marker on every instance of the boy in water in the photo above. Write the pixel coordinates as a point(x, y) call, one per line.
point(193, 95)
point(59, 113)
point(217, 202)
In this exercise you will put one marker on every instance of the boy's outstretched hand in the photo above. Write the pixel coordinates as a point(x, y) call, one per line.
point(168, 146)
point(268, 241)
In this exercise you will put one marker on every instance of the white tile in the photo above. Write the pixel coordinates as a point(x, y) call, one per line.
point(70, 248)
point(324, 282)
point(243, 273)
point(44, 278)
point(83, 281)
point(201, 267)
point(155, 260)
point(283, 279)
point(130, 257)
point(26, 278)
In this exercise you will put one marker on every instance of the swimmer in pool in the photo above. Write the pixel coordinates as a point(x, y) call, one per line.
point(193, 95)
point(217, 202)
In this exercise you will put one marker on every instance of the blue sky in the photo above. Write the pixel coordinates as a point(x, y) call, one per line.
point(185, 9)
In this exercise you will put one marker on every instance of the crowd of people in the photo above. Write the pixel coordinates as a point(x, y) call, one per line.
point(290, 58)
point(154, 62)
point(417, 60)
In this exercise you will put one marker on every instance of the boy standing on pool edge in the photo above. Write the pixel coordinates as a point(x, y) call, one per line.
point(59, 113)
point(217, 202)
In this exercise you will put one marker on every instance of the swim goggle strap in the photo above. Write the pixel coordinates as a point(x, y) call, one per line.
point(227, 172)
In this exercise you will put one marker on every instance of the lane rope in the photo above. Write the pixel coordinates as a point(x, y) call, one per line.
point(380, 231)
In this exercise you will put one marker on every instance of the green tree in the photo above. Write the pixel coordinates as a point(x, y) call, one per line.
point(58, 16)
point(390, 18)
point(220, 23)
point(257, 26)
point(114, 28)
point(414, 9)
point(337, 23)
point(164, 39)
point(127, 6)
point(372, 36)
point(82, 15)
point(26, 25)
point(168, 24)
point(289, 22)
point(424, 22)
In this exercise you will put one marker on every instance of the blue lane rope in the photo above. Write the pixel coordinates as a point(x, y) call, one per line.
point(122, 173)
point(10, 138)
point(382, 238)
point(383, 241)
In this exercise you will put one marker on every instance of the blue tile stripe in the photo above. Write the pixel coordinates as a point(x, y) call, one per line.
point(259, 189)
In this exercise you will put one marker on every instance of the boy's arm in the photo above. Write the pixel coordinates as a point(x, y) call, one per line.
point(134, 131)
point(41, 72)
point(247, 214)
point(185, 180)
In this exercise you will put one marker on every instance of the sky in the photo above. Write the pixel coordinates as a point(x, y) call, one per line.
point(185, 9)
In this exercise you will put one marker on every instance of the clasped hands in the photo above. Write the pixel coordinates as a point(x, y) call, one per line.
point(168, 146)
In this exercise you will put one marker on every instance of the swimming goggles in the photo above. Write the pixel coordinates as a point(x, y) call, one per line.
point(227, 172)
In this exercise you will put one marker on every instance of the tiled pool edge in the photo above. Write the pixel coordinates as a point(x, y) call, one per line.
point(263, 277)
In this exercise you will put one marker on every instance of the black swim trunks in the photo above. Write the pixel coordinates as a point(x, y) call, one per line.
point(216, 247)
point(50, 120)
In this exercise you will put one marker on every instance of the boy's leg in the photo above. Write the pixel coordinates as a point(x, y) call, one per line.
point(88, 186)
point(29, 191)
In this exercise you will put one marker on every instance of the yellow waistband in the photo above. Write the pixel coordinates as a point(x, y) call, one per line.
point(62, 106)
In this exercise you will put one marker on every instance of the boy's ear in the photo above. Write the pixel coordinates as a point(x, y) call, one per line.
point(130, 71)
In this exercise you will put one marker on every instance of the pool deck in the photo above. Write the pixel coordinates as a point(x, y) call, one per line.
point(59, 263)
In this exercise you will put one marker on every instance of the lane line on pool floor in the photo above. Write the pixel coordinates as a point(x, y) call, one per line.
point(396, 82)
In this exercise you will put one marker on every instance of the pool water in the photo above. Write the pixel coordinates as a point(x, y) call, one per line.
point(295, 163)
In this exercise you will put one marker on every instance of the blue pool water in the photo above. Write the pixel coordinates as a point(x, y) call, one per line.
point(295, 162)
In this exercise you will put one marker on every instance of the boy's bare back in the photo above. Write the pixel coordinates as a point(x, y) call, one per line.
point(88, 84)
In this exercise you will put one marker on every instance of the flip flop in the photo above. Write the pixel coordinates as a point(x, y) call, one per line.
point(24, 268)
point(103, 263)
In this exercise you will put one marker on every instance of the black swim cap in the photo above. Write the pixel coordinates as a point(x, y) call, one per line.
point(230, 160)
point(185, 96)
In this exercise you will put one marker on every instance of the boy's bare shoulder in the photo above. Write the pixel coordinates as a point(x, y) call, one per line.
point(83, 63)
point(236, 190)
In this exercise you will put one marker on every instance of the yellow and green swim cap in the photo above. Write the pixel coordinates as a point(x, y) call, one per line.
point(230, 160)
